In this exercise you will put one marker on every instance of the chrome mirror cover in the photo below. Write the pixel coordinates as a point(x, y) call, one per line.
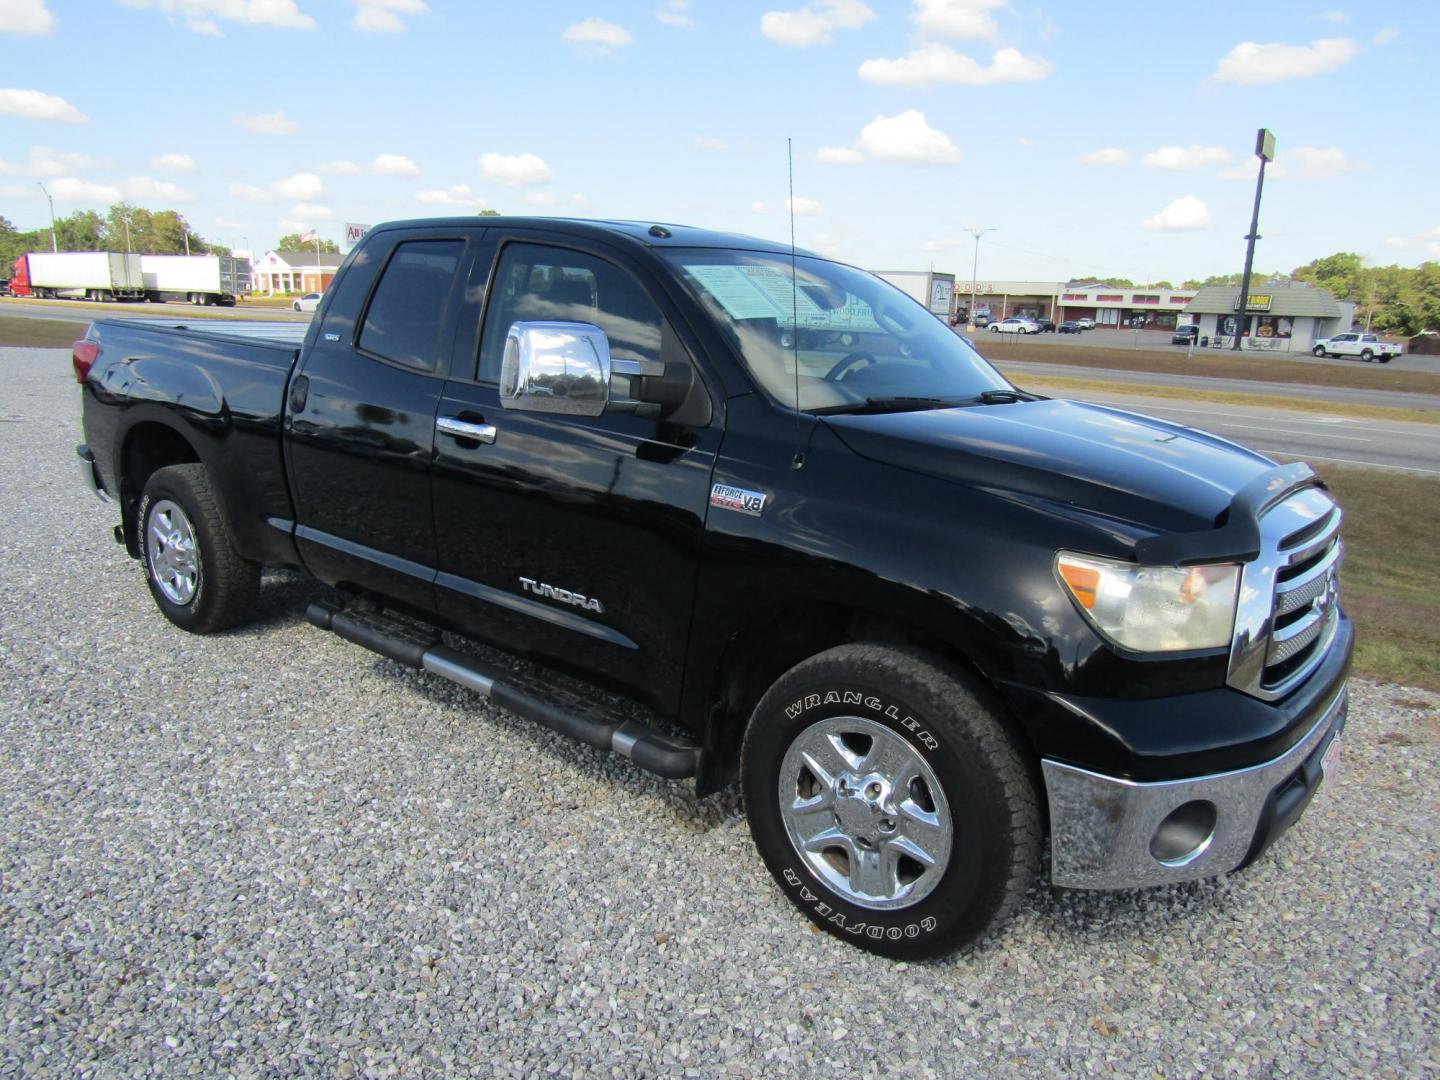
point(556, 367)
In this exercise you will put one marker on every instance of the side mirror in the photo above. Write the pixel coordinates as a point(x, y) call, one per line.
point(556, 367)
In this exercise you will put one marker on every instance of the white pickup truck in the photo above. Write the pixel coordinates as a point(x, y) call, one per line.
point(1367, 347)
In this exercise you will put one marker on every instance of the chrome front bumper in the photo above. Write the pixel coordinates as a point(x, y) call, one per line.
point(1102, 826)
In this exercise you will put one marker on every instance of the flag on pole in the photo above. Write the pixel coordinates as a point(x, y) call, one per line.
point(313, 234)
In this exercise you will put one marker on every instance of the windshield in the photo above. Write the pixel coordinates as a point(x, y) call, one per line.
point(856, 339)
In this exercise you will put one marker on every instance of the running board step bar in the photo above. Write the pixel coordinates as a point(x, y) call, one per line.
point(404, 644)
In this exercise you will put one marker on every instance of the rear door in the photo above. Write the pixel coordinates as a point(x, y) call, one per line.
point(360, 419)
point(576, 538)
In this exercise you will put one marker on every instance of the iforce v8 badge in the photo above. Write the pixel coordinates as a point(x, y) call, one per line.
point(742, 500)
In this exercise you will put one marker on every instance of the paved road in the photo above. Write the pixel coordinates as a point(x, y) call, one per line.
point(1278, 432)
point(1027, 374)
point(1157, 341)
point(82, 311)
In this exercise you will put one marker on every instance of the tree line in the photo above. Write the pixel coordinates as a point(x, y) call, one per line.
point(122, 228)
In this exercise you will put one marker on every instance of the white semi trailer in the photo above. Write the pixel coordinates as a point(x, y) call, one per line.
point(78, 275)
point(935, 291)
point(195, 279)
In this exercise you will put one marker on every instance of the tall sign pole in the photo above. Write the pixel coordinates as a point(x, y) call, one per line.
point(1265, 151)
point(975, 270)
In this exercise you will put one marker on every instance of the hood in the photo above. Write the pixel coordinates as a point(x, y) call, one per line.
point(1158, 475)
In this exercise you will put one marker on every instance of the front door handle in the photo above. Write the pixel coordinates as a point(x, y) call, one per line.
point(464, 429)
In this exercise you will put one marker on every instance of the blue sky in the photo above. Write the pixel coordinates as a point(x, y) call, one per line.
point(1096, 138)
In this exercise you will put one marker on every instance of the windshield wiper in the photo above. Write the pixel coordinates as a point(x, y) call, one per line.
point(887, 404)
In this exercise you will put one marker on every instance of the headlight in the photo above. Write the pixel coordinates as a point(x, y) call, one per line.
point(1154, 608)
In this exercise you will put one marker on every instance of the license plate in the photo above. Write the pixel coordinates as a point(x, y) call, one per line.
point(1330, 763)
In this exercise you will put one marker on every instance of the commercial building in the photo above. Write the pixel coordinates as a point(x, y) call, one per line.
point(1280, 316)
point(295, 272)
point(1116, 308)
point(1125, 308)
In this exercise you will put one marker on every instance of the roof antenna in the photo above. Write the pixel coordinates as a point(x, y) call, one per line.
point(798, 462)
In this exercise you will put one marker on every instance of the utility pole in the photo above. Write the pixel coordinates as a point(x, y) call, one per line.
point(975, 270)
point(54, 244)
point(1265, 151)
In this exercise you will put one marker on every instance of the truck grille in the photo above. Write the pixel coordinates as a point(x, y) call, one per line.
point(1289, 606)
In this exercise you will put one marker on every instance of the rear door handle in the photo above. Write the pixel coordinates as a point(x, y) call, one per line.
point(464, 429)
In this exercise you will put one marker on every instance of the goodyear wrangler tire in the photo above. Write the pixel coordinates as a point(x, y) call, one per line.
point(197, 578)
point(889, 801)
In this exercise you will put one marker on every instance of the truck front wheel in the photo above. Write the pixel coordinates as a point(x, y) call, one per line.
point(198, 579)
point(889, 801)
point(1367, 355)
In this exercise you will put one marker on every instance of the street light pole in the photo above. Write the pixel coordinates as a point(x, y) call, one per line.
point(54, 244)
point(1265, 151)
point(975, 270)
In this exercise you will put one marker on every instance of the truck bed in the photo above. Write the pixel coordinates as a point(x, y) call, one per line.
point(284, 335)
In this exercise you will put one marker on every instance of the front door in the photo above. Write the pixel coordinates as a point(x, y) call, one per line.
point(361, 419)
point(577, 538)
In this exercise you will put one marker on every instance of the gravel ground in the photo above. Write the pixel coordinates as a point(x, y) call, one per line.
point(269, 852)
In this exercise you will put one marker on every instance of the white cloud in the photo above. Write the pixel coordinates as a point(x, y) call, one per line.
point(394, 165)
point(673, 14)
point(706, 142)
point(815, 23)
point(37, 105)
point(1193, 156)
point(1427, 240)
point(145, 187)
point(301, 187)
point(204, 27)
point(383, 16)
point(45, 162)
point(1109, 155)
point(271, 123)
point(340, 168)
point(1252, 63)
point(1316, 163)
point(539, 198)
point(29, 17)
point(906, 137)
point(839, 155)
point(173, 163)
point(459, 195)
point(229, 223)
point(312, 212)
point(961, 19)
point(1184, 213)
point(597, 35)
point(514, 170)
point(17, 191)
point(934, 62)
point(1385, 35)
point(1336, 17)
point(70, 189)
point(305, 185)
point(282, 14)
point(579, 200)
point(803, 207)
point(759, 207)
point(1304, 162)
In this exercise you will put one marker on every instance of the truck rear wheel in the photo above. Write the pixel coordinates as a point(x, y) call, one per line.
point(1319, 350)
point(198, 579)
point(889, 801)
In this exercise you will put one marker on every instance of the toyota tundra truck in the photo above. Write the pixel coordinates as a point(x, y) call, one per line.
point(752, 515)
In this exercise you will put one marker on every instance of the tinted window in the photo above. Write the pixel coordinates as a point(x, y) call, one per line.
point(540, 283)
point(406, 317)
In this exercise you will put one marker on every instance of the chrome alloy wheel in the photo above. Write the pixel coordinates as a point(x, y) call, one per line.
point(171, 552)
point(866, 812)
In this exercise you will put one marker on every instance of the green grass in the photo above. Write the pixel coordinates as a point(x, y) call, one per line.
point(1252, 367)
point(1080, 387)
point(39, 333)
point(1390, 582)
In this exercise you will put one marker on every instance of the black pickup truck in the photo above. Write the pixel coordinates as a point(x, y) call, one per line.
point(924, 617)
